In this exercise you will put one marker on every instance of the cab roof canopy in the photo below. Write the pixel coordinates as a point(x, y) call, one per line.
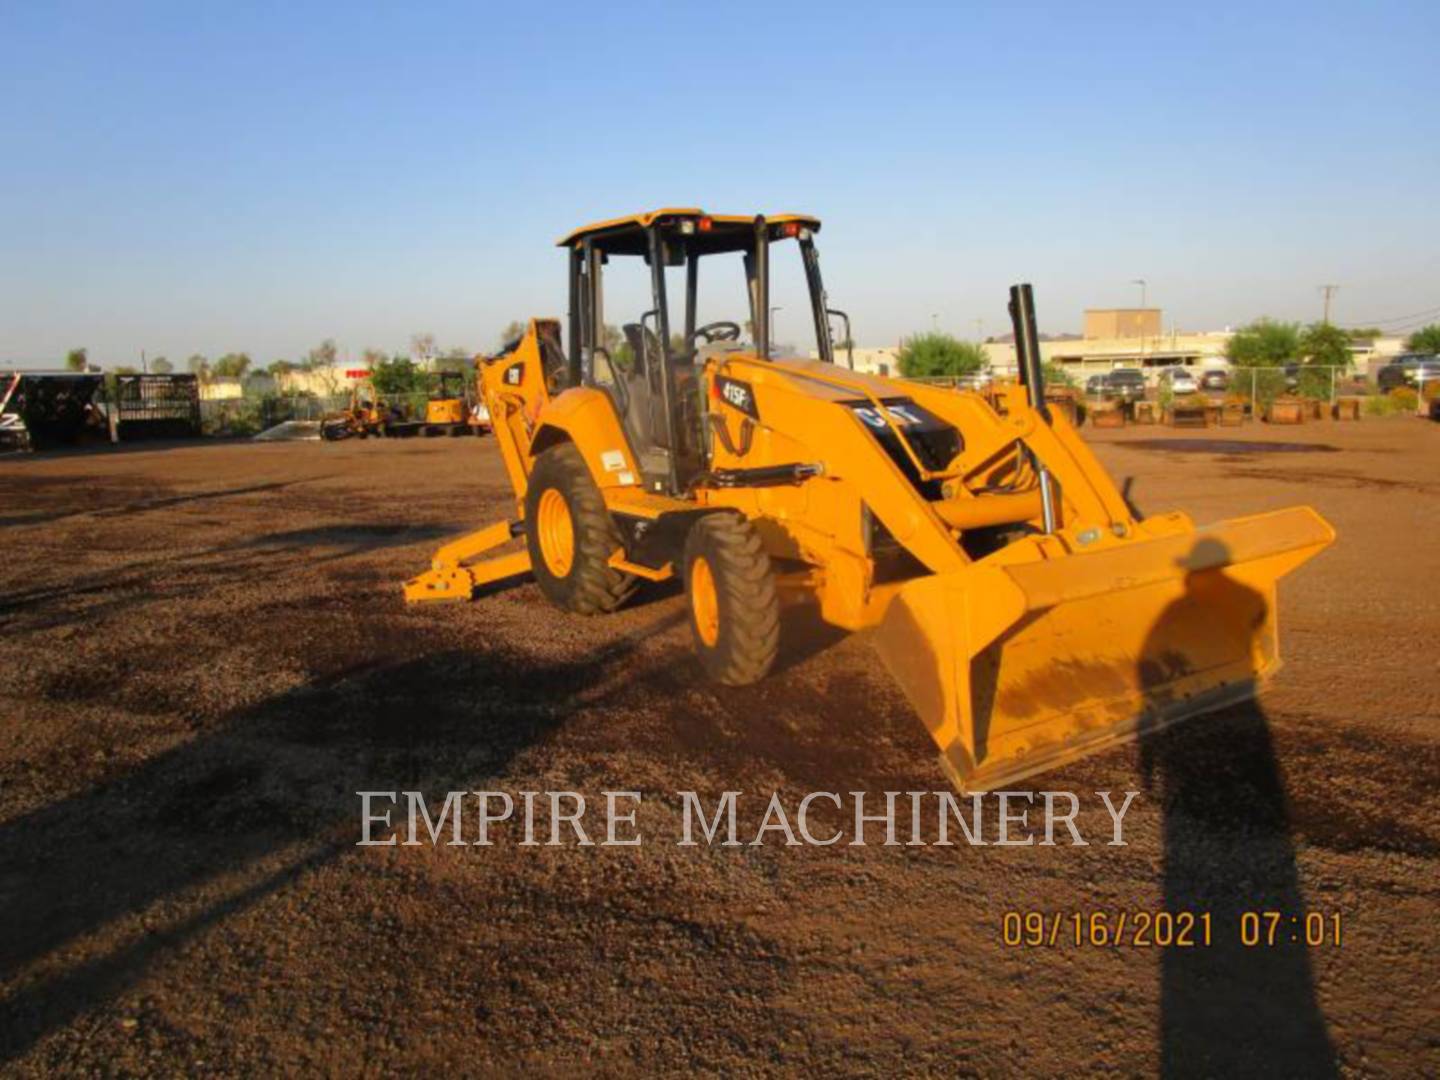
point(712, 232)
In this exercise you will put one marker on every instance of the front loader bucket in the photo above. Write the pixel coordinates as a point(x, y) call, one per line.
point(1022, 667)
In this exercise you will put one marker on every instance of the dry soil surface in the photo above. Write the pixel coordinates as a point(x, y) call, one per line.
point(205, 657)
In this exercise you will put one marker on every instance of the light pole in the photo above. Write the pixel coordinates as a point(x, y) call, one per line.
point(934, 323)
point(774, 309)
point(1141, 282)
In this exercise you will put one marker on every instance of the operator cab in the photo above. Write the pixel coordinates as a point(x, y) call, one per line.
point(643, 272)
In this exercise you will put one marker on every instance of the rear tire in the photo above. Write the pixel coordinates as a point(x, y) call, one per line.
point(571, 537)
point(734, 611)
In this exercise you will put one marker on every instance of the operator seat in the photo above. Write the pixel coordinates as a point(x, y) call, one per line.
point(642, 385)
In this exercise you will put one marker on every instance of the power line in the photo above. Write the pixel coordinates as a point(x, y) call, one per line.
point(1426, 314)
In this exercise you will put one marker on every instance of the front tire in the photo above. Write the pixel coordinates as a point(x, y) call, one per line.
point(734, 610)
point(571, 537)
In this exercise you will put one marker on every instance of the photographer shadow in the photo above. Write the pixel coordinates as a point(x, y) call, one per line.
point(1227, 1008)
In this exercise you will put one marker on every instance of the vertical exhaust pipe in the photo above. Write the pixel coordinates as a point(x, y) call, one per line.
point(1032, 377)
point(1027, 346)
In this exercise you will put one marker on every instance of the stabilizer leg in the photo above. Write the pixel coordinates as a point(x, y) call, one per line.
point(452, 576)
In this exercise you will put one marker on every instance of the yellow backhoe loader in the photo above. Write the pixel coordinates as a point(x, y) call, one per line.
point(1029, 615)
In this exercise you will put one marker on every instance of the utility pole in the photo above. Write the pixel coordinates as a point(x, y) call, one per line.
point(979, 329)
point(1329, 291)
point(934, 322)
point(1141, 282)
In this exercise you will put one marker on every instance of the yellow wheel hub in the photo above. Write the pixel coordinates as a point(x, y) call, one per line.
point(704, 602)
point(557, 533)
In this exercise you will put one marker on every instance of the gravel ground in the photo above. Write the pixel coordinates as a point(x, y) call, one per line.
point(206, 657)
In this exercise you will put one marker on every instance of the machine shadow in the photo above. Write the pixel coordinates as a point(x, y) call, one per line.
point(145, 506)
point(1227, 1009)
point(103, 884)
point(804, 634)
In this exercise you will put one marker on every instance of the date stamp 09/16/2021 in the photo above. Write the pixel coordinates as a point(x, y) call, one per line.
point(1258, 929)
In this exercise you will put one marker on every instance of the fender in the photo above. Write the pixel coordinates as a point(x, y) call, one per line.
point(586, 417)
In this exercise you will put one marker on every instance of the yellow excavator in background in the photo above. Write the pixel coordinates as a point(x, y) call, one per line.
point(1029, 615)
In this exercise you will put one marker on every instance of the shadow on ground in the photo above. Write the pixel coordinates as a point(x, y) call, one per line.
point(273, 785)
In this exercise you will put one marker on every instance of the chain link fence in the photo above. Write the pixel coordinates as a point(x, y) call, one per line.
point(252, 414)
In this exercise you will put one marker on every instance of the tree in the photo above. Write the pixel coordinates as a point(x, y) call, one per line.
point(1325, 345)
point(422, 347)
point(1264, 343)
point(198, 366)
point(938, 353)
point(514, 331)
point(232, 365)
point(373, 358)
point(77, 360)
point(399, 376)
point(161, 366)
point(1057, 374)
point(1425, 340)
point(320, 362)
point(1365, 333)
point(125, 369)
point(452, 362)
point(280, 368)
point(323, 355)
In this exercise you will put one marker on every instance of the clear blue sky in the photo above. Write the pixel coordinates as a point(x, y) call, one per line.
point(207, 177)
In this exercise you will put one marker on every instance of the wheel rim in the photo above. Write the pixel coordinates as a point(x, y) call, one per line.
point(557, 533)
point(704, 602)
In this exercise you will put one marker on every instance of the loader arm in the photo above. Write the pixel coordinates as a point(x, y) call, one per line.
point(1056, 645)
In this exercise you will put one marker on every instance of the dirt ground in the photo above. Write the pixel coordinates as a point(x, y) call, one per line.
point(205, 657)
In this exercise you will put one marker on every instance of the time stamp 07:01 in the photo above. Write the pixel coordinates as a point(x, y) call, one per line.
point(1168, 929)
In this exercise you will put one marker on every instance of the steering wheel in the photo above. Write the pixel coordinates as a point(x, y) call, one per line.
point(724, 330)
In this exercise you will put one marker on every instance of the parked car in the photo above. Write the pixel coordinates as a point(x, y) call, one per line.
point(1178, 381)
point(1095, 385)
point(1408, 369)
point(1214, 379)
point(1124, 384)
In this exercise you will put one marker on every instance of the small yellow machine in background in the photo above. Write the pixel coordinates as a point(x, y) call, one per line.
point(1029, 615)
point(448, 408)
point(366, 414)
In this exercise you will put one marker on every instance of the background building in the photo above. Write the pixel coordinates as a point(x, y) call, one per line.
point(1122, 337)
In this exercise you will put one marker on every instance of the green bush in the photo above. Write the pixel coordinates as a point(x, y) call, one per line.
point(1264, 343)
point(1315, 382)
point(1325, 345)
point(1425, 340)
point(1402, 399)
point(937, 353)
point(1379, 405)
point(1056, 374)
point(1269, 384)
